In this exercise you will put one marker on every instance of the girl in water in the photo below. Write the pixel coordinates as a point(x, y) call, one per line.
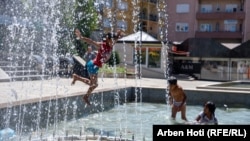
point(207, 116)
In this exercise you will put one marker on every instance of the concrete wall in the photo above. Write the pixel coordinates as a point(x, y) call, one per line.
point(199, 97)
point(59, 110)
point(68, 108)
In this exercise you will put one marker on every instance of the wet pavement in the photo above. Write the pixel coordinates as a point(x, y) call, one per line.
point(22, 92)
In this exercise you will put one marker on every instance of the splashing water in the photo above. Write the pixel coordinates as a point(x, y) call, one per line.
point(32, 38)
point(32, 29)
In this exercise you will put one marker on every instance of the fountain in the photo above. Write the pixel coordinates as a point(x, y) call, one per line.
point(50, 108)
point(32, 32)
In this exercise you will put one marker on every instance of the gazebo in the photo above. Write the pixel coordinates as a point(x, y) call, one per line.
point(139, 36)
point(144, 44)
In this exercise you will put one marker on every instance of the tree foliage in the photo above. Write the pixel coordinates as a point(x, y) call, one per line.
point(80, 14)
point(114, 59)
point(67, 27)
point(86, 20)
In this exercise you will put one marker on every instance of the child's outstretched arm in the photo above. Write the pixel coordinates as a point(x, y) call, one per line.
point(85, 39)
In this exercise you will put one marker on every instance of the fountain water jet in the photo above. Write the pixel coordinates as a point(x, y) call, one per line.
point(39, 35)
point(32, 29)
point(32, 32)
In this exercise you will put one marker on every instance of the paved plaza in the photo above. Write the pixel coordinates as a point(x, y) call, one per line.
point(21, 92)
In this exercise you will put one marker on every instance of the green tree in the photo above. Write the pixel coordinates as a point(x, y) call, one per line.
point(67, 25)
point(114, 59)
point(86, 20)
point(81, 15)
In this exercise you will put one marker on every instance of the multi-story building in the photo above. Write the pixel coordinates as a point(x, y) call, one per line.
point(149, 17)
point(223, 20)
point(206, 22)
point(131, 16)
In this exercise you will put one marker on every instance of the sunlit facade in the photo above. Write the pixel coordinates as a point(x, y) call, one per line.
point(223, 20)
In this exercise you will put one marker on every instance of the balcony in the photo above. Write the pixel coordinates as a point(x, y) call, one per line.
point(150, 17)
point(219, 34)
point(220, 15)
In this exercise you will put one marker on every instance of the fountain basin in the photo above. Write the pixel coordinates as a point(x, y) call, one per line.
point(240, 85)
point(60, 102)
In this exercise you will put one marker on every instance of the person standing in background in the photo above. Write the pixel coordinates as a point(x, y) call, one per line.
point(248, 71)
point(241, 71)
point(89, 55)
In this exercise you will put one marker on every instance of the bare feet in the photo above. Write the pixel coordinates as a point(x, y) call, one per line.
point(86, 99)
point(74, 79)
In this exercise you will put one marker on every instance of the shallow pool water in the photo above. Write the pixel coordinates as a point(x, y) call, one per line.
point(135, 120)
point(236, 84)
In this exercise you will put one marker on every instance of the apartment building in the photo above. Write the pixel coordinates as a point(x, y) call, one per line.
point(149, 17)
point(205, 23)
point(223, 20)
point(130, 15)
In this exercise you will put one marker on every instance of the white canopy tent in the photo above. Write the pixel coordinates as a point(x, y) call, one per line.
point(139, 36)
point(127, 45)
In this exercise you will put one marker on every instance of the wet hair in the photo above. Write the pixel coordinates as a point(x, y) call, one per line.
point(109, 36)
point(211, 106)
point(172, 80)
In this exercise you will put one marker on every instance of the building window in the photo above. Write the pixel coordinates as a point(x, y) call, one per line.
point(206, 8)
point(182, 27)
point(142, 58)
point(108, 3)
point(206, 27)
point(154, 57)
point(122, 25)
point(182, 8)
point(122, 5)
point(106, 22)
point(231, 7)
point(230, 25)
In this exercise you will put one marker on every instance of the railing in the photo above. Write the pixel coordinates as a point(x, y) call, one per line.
point(220, 15)
point(219, 34)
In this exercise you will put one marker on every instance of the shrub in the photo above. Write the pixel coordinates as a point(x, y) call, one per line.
point(114, 60)
point(108, 69)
